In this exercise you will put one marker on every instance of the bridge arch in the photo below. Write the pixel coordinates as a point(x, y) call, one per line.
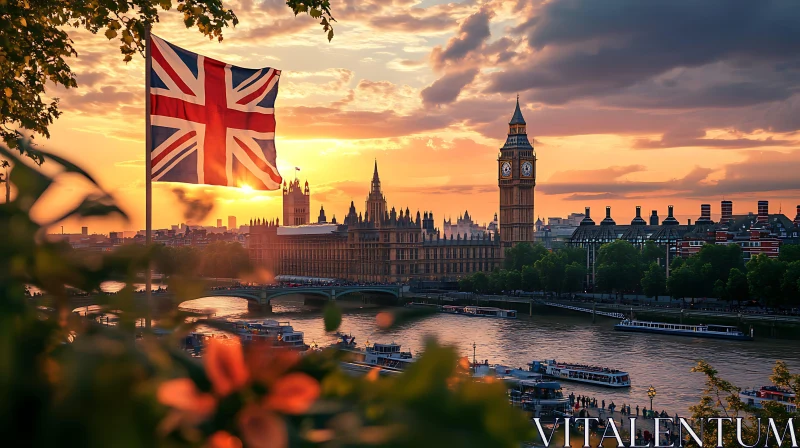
point(393, 291)
point(299, 291)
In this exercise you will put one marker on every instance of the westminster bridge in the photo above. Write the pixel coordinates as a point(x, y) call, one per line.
point(258, 298)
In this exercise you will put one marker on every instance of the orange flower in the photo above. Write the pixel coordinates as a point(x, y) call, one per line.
point(223, 439)
point(225, 366)
point(262, 429)
point(293, 394)
point(266, 364)
point(183, 395)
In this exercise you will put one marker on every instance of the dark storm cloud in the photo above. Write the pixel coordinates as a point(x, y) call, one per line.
point(446, 89)
point(728, 95)
point(583, 48)
point(472, 33)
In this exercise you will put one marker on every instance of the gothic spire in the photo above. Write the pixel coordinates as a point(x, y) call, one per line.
point(517, 117)
point(376, 181)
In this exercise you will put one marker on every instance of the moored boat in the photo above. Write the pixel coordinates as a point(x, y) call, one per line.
point(582, 373)
point(479, 311)
point(770, 394)
point(384, 356)
point(280, 334)
point(697, 331)
point(543, 398)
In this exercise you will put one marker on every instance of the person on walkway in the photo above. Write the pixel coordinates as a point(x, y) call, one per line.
point(637, 410)
point(604, 404)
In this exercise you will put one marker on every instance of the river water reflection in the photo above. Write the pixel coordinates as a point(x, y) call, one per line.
point(658, 360)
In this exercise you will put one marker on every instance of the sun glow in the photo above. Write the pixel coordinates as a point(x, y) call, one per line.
point(247, 188)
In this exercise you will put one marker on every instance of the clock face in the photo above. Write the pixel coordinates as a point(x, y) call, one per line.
point(505, 169)
point(527, 169)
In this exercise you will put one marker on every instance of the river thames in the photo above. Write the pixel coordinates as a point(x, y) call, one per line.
point(659, 360)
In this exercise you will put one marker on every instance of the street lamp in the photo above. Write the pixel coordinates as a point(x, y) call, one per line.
point(651, 392)
point(474, 358)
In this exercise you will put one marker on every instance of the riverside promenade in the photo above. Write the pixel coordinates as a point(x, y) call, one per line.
point(780, 326)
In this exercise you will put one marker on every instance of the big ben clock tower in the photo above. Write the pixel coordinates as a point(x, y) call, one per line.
point(516, 179)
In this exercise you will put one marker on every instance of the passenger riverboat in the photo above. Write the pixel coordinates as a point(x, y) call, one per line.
point(280, 334)
point(771, 394)
point(479, 311)
point(582, 373)
point(504, 373)
point(542, 398)
point(698, 331)
point(385, 356)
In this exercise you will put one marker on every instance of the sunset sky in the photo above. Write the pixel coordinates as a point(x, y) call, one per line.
point(627, 103)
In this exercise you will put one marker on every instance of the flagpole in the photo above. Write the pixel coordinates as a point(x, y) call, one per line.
point(148, 188)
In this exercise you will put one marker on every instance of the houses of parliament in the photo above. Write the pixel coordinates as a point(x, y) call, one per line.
point(381, 244)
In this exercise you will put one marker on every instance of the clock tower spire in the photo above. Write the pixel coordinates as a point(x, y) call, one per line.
point(516, 179)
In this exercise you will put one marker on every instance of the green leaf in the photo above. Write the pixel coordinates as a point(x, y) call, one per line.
point(68, 166)
point(332, 315)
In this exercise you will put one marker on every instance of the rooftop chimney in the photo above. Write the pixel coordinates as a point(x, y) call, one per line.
point(654, 218)
point(608, 221)
point(587, 220)
point(727, 213)
point(763, 212)
point(669, 220)
point(705, 215)
point(638, 221)
point(797, 217)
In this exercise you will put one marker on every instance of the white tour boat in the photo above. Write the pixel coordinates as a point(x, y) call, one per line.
point(773, 394)
point(479, 311)
point(280, 334)
point(580, 373)
point(698, 331)
point(384, 356)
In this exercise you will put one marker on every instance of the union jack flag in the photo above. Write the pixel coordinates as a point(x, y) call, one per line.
point(211, 122)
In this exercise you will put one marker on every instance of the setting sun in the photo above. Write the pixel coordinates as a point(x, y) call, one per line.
point(247, 188)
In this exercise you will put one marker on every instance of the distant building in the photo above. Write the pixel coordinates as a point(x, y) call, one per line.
point(296, 204)
point(463, 226)
point(557, 232)
point(379, 246)
point(760, 233)
point(232, 223)
point(219, 222)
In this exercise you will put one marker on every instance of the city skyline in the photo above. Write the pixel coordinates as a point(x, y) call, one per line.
point(427, 88)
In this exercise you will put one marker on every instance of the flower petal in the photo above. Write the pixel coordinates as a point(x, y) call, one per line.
point(293, 394)
point(225, 366)
point(183, 395)
point(267, 363)
point(262, 429)
point(223, 439)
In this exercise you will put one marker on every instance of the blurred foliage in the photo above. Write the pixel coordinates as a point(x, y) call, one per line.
point(66, 380)
point(35, 46)
point(722, 399)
